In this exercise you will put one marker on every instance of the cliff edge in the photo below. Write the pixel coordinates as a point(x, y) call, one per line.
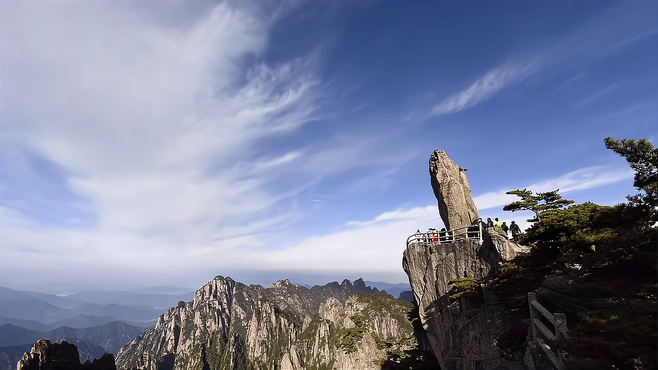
point(461, 316)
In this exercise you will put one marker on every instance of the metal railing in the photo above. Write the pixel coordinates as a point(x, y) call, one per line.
point(541, 333)
point(443, 237)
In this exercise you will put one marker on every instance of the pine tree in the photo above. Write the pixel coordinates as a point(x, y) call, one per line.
point(643, 159)
point(537, 203)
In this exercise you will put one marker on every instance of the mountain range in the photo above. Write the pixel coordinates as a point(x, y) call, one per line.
point(230, 325)
point(89, 308)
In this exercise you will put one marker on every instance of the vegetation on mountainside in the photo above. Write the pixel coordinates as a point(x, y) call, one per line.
point(351, 337)
point(596, 264)
point(537, 203)
point(463, 287)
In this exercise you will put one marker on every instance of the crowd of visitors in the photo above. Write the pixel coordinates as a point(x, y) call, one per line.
point(445, 236)
point(513, 227)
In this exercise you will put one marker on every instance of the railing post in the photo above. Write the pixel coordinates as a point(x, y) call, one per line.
point(532, 296)
point(480, 230)
point(560, 329)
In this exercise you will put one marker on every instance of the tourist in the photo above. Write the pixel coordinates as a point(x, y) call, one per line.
point(497, 223)
point(442, 235)
point(489, 222)
point(516, 231)
point(505, 228)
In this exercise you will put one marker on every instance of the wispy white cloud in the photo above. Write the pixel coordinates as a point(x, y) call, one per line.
point(622, 112)
point(573, 79)
point(400, 214)
point(598, 95)
point(157, 131)
point(148, 120)
point(582, 179)
point(484, 88)
point(606, 34)
point(376, 244)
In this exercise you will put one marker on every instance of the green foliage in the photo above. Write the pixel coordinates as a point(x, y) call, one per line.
point(537, 203)
point(643, 159)
point(621, 339)
point(576, 227)
point(514, 280)
point(358, 319)
point(608, 258)
point(463, 287)
point(383, 343)
point(350, 338)
point(380, 303)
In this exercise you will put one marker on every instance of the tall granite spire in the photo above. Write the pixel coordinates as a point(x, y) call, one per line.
point(452, 191)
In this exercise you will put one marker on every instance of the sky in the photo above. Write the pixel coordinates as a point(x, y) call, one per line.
point(162, 143)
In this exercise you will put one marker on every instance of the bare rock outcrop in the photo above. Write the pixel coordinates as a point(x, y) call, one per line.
point(462, 329)
point(462, 332)
point(61, 356)
point(452, 192)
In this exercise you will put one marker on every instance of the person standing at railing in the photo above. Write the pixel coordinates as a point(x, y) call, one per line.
point(497, 223)
point(489, 222)
point(505, 228)
point(419, 235)
point(473, 230)
point(442, 235)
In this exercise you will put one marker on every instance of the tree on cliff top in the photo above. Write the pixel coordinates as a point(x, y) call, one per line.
point(643, 159)
point(537, 203)
point(602, 255)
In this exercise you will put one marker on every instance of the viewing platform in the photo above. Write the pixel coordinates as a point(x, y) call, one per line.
point(444, 237)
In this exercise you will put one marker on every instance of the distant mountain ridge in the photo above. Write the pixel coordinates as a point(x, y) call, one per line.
point(91, 342)
point(160, 301)
point(40, 311)
point(110, 336)
point(79, 322)
point(392, 289)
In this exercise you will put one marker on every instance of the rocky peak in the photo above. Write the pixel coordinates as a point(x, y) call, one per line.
point(452, 191)
point(281, 284)
point(331, 310)
point(60, 356)
point(359, 284)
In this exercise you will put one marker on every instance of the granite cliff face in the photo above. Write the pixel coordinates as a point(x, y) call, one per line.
point(462, 329)
point(229, 325)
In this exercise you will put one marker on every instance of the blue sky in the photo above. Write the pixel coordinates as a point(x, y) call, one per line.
point(147, 144)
